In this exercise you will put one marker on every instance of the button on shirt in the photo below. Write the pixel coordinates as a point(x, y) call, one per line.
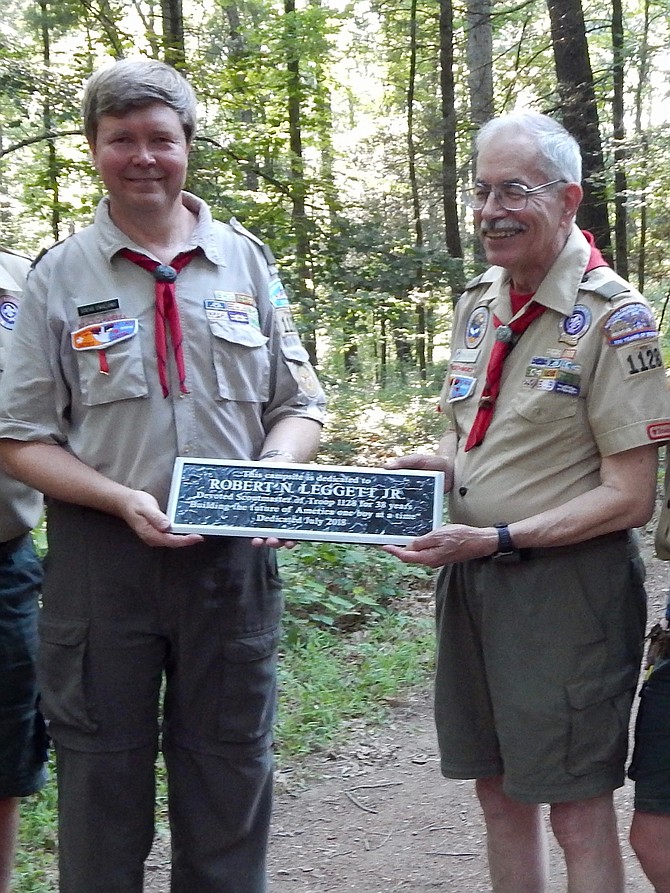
point(246, 368)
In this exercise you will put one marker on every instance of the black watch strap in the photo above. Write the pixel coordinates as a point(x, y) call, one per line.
point(505, 544)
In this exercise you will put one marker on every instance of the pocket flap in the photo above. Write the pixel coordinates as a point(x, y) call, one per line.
point(63, 631)
point(251, 648)
point(294, 351)
point(594, 691)
point(237, 333)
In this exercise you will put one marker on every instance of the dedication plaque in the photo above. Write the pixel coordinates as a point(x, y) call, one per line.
point(304, 502)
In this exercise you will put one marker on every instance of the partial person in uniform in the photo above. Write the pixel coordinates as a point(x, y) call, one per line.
point(153, 333)
point(650, 765)
point(556, 405)
point(23, 741)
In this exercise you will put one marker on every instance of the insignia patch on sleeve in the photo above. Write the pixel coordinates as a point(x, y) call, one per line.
point(630, 323)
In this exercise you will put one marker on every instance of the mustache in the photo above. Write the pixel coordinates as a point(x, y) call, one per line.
point(500, 226)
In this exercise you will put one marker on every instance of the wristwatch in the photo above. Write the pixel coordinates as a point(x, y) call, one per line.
point(505, 544)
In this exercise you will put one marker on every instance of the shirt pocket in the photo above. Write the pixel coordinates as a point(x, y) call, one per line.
point(543, 408)
point(241, 361)
point(124, 380)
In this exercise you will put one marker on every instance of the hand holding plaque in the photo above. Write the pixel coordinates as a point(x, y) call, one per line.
point(304, 502)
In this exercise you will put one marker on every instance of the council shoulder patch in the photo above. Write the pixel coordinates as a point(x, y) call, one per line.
point(630, 323)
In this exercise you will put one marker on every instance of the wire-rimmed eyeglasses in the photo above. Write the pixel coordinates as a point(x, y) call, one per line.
point(510, 196)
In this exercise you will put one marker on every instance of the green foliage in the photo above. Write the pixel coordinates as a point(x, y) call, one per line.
point(36, 857)
point(329, 680)
point(368, 425)
point(336, 586)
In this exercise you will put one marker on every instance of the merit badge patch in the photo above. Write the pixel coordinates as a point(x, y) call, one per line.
point(576, 325)
point(630, 323)
point(8, 311)
point(476, 327)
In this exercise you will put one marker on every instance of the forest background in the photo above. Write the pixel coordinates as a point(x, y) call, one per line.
point(341, 133)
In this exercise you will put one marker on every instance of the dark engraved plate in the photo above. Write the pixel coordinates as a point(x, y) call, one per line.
point(304, 502)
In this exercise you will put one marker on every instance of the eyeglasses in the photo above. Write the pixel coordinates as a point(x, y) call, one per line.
point(510, 196)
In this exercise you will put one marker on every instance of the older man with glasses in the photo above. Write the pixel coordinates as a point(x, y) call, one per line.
point(556, 405)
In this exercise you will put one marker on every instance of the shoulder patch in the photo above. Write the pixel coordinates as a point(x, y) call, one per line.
point(629, 323)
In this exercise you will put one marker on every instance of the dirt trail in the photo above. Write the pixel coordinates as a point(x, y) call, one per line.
point(376, 816)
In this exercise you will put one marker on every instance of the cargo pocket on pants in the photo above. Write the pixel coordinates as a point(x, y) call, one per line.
point(249, 687)
point(600, 711)
point(63, 645)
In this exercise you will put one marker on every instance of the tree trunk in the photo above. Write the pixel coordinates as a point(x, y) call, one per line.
point(452, 234)
point(479, 53)
point(620, 183)
point(52, 161)
point(642, 144)
point(173, 33)
point(239, 60)
point(301, 227)
point(414, 186)
point(580, 112)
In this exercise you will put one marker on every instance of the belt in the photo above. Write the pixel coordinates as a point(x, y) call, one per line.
point(531, 554)
point(8, 548)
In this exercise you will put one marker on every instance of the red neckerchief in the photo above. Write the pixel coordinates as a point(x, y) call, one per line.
point(501, 348)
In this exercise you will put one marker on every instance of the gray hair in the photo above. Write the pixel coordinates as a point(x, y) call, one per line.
point(133, 84)
point(556, 147)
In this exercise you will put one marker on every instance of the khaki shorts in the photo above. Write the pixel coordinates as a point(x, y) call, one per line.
point(538, 661)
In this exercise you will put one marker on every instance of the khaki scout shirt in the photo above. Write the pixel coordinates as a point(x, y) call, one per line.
point(20, 507)
point(245, 366)
point(584, 381)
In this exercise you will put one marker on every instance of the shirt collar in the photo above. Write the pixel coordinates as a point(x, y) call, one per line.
point(112, 239)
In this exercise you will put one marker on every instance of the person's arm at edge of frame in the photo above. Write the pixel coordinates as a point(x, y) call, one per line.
point(624, 499)
point(49, 468)
point(294, 439)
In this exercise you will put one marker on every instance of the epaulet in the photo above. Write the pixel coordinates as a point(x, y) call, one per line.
point(488, 276)
point(11, 251)
point(243, 231)
point(46, 250)
point(609, 289)
point(473, 283)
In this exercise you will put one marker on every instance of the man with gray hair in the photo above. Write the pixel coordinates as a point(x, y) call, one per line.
point(556, 405)
point(153, 333)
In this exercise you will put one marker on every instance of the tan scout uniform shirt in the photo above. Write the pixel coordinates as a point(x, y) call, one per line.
point(20, 507)
point(585, 380)
point(245, 366)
